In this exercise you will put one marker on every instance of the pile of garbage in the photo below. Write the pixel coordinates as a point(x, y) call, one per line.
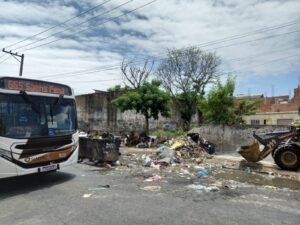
point(177, 150)
point(140, 141)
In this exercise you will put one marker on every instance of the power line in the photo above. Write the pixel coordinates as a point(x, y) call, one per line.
point(262, 64)
point(118, 65)
point(85, 73)
point(70, 28)
point(59, 24)
point(5, 59)
point(290, 23)
point(80, 72)
point(108, 20)
point(92, 81)
point(234, 37)
point(239, 43)
point(201, 45)
point(262, 54)
point(262, 30)
point(220, 74)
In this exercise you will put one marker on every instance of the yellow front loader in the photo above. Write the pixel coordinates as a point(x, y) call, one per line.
point(284, 147)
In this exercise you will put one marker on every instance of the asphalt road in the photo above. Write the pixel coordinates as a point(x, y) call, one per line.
point(78, 195)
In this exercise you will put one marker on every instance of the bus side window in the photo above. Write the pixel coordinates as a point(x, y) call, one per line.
point(42, 115)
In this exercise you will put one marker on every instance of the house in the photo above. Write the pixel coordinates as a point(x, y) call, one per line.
point(277, 110)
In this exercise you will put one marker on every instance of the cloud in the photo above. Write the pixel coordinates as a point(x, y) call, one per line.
point(150, 32)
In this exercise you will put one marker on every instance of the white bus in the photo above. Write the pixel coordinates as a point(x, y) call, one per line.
point(38, 126)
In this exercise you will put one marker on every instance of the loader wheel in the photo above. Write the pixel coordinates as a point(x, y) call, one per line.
point(287, 157)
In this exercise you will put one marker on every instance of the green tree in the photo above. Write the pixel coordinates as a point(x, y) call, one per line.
point(119, 88)
point(218, 107)
point(185, 74)
point(147, 99)
point(244, 107)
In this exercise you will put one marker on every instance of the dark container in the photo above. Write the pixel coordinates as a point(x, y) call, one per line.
point(103, 150)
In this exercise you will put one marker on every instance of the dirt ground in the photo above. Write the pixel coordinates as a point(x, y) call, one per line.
point(219, 171)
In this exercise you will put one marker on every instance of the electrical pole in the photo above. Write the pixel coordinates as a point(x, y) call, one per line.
point(16, 55)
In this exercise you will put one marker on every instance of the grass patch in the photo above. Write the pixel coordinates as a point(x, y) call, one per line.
point(167, 133)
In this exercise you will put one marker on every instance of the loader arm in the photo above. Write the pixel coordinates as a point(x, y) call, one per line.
point(252, 153)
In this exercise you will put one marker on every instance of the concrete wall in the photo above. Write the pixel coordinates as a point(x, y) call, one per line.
point(95, 112)
point(229, 138)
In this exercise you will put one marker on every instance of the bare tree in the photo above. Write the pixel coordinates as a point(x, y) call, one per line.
point(186, 70)
point(135, 75)
point(185, 73)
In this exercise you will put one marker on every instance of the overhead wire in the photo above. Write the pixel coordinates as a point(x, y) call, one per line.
point(201, 45)
point(158, 59)
point(293, 22)
point(71, 28)
point(218, 74)
point(250, 33)
point(5, 59)
point(59, 24)
point(204, 44)
point(106, 21)
point(262, 64)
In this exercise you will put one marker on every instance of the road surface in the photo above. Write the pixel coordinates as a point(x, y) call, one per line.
point(80, 196)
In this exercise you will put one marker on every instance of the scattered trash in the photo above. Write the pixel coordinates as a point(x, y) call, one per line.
point(200, 173)
point(155, 166)
point(185, 172)
point(248, 170)
point(106, 165)
point(177, 144)
point(151, 188)
point(212, 189)
point(232, 187)
point(197, 167)
point(270, 187)
point(147, 161)
point(130, 165)
point(97, 189)
point(142, 145)
point(205, 144)
point(104, 186)
point(196, 187)
point(87, 195)
point(154, 178)
point(178, 162)
point(199, 187)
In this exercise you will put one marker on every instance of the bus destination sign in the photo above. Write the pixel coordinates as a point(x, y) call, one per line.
point(34, 86)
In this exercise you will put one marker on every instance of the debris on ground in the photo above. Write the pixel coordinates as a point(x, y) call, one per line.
point(154, 178)
point(177, 151)
point(139, 141)
point(189, 161)
point(201, 173)
point(151, 188)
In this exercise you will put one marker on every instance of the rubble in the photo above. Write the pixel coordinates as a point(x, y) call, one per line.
point(180, 149)
point(183, 160)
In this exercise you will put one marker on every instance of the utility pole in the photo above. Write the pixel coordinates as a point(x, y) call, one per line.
point(15, 55)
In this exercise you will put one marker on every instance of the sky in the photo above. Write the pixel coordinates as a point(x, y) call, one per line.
point(258, 41)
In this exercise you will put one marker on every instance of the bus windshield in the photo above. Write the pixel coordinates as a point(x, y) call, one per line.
point(24, 116)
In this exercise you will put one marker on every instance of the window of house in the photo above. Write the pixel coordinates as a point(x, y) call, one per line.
point(254, 122)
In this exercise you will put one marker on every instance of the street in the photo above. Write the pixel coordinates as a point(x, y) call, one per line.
point(85, 194)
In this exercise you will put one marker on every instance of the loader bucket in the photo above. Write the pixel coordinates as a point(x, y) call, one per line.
point(250, 152)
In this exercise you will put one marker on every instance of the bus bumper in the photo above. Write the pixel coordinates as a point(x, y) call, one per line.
point(72, 160)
